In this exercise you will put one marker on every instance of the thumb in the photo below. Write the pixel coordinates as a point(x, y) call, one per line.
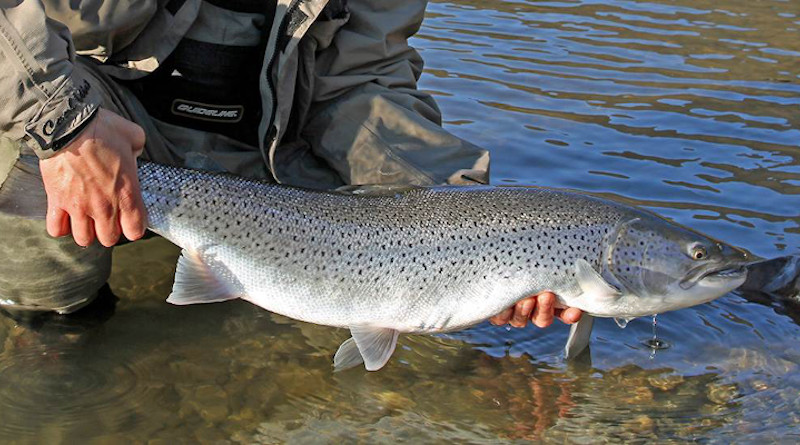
point(132, 132)
point(137, 138)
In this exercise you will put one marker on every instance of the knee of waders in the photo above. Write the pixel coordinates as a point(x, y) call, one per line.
point(38, 272)
point(53, 325)
point(41, 273)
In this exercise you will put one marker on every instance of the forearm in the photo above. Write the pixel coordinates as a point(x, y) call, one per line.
point(45, 102)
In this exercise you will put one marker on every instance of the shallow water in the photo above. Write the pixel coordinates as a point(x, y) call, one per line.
point(688, 111)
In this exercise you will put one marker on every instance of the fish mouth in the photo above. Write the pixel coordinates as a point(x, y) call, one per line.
point(719, 274)
point(726, 273)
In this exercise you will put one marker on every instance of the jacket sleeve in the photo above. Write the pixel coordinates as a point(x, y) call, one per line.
point(45, 101)
point(368, 120)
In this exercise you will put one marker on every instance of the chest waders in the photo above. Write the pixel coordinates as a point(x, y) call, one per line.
point(210, 81)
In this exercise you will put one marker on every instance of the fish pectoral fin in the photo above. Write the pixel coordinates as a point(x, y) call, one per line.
point(592, 283)
point(347, 356)
point(196, 282)
point(373, 345)
point(580, 334)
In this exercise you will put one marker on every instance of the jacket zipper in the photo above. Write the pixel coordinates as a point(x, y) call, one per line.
point(271, 83)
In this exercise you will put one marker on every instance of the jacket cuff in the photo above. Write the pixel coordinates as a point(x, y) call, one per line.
point(62, 117)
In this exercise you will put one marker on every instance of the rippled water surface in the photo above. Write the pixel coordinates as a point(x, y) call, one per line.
point(689, 109)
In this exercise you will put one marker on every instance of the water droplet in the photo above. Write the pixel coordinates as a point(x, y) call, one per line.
point(656, 344)
point(655, 325)
point(622, 322)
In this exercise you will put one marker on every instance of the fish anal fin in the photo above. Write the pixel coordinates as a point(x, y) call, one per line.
point(375, 345)
point(592, 284)
point(196, 282)
point(580, 334)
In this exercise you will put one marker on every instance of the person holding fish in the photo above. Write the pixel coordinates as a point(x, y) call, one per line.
point(314, 94)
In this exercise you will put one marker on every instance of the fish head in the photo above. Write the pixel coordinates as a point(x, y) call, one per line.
point(670, 267)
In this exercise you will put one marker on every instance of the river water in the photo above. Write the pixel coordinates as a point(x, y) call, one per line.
point(690, 111)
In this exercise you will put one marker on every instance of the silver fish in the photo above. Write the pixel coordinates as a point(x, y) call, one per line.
point(386, 260)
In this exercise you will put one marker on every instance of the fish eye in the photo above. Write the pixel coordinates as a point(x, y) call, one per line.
point(698, 252)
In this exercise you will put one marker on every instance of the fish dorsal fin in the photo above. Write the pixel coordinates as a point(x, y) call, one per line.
point(377, 189)
point(580, 334)
point(196, 282)
point(375, 345)
point(592, 283)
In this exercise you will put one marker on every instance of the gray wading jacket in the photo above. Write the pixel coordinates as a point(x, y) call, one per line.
point(339, 94)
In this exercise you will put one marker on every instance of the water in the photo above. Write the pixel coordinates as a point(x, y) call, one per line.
point(689, 111)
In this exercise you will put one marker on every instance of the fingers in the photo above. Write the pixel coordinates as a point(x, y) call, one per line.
point(132, 214)
point(57, 222)
point(541, 309)
point(503, 317)
point(65, 223)
point(569, 315)
point(100, 221)
point(522, 310)
point(545, 307)
point(82, 229)
point(107, 229)
point(105, 225)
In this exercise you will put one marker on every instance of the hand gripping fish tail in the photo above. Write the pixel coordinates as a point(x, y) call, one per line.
point(384, 261)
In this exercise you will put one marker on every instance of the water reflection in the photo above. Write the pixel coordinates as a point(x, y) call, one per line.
point(562, 84)
point(689, 110)
point(234, 372)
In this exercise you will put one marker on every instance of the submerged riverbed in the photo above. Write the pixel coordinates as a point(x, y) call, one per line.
point(689, 111)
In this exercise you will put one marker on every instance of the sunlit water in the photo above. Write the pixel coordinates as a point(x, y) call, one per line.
point(688, 109)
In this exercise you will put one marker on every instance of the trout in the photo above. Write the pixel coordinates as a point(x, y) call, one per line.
point(382, 261)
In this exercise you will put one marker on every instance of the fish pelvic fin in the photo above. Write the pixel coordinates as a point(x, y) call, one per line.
point(370, 345)
point(196, 282)
point(593, 284)
point(580, 334)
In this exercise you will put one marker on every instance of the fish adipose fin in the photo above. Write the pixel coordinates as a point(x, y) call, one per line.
point(580, 334)
point(196, 282)
point(372, 346)
point(592, 283)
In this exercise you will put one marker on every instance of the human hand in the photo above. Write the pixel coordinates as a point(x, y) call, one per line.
point(540, 309)
point(91, 184)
